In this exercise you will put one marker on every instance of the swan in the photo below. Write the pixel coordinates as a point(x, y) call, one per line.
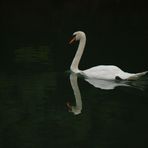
point(105, 72)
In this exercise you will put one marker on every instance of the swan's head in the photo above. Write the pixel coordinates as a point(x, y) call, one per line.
point(78, 35)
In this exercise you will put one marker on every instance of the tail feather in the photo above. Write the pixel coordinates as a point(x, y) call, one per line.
point(137, 75)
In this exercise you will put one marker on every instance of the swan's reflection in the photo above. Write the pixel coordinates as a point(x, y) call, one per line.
point(105, 84)
point(141, 84)
point(74, 84)
point(112, 84)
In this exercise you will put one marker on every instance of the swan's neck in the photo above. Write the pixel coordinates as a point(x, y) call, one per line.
point(75, 63)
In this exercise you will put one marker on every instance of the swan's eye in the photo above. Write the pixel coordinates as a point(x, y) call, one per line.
point(72, 39)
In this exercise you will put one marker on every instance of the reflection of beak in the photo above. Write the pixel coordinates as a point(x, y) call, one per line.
point(72, 40)
point(69, 106)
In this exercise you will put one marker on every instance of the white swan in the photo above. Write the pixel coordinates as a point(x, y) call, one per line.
point(106, 72)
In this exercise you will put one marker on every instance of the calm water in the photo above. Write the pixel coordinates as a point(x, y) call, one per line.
point(43, 107)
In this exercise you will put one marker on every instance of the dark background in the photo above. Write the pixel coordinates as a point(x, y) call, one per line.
point(34, 91)
point(116, 30)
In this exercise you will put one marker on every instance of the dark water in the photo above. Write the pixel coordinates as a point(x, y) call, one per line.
point(42, 105)
point(36, 97)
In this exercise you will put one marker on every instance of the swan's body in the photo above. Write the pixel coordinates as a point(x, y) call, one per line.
point(110, 72)
point(106, 72)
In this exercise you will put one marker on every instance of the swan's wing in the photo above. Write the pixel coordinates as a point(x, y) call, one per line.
point(107, 72)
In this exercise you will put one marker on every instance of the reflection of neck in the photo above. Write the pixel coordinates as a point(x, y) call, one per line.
point(74, 84)
point(78, 55)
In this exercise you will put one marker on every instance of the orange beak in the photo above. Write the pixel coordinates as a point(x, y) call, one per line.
point(72, 40)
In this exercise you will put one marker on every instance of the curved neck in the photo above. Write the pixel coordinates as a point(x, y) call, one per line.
point(78, 55)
